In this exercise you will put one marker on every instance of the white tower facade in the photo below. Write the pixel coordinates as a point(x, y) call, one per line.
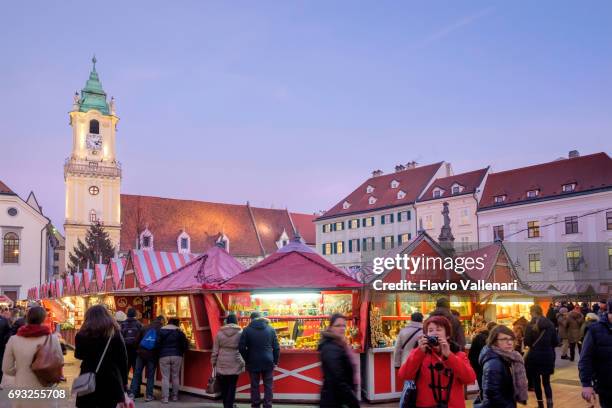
point(92, 173)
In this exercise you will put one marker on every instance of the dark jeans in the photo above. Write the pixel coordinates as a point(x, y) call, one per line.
point(266, 376)
point(573, 350)
point(605, 400)
point(131, 353)
point(540, 380)
point(228, 389)
point(141, 363)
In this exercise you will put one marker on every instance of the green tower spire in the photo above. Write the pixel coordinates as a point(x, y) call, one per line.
point(93, 96)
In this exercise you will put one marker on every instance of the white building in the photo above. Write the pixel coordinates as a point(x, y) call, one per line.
point(556, 222)
point(92, 173)
point(377, 216)
point(24, 256)
point(462, 192)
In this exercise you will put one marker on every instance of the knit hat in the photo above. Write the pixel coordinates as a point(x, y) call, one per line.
point(120, 316)
point(563, 310)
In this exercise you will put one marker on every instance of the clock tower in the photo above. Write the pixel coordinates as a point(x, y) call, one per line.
point(92, 173)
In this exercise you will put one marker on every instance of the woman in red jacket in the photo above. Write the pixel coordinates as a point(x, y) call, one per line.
point(439, 369)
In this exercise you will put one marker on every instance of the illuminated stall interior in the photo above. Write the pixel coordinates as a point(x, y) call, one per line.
point(390, 312)
point(297, 317)
point(176, 307)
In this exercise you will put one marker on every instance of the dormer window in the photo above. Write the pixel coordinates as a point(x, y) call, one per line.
point(568, 188)
point(223, 241)
point(456, 189)
point(183, 243)
point(371, 200)
point(146, 240)
point(346, 205)
point(400, 195)
point(369, 189)
point(533, 193)
point(394, 184)
point(94, 127)
point(500, 199)
point(437, 193)
point(282, 240)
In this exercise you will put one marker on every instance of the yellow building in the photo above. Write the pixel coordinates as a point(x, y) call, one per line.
point(92, 173)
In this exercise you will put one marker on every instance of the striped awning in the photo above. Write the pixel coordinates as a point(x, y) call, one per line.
point(88, 275)
point(69, 285)
point(117, 268)
point(150, 266)
point(78, 281)
point(59, 288)
point(100, 273)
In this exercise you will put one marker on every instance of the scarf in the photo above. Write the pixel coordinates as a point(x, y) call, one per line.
point(517, 370)
point(33, 330)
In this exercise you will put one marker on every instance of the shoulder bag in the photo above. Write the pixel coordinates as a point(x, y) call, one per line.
point(85, 384)
point(47, 363)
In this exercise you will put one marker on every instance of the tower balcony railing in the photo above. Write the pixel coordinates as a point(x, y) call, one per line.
point(92, 168)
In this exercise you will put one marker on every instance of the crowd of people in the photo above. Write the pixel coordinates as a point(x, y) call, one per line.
point(430, 355)
point(107, 345)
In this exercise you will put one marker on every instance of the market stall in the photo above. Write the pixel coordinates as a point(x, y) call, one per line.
point(297, 290)
point(179, 294)
point(390, 310)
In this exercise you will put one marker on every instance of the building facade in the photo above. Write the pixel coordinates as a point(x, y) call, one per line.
point(555, 220)
point(92, 173)
point(377, 216)
point(462, 192)
point(24, 256)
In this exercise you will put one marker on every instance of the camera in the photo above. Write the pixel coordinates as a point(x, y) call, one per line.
point(432, 341)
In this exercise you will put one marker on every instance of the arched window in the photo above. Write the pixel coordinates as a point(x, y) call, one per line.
point(146, 239)
point(11, 248)
point(184, 243)
point(93, 217)
point(94, 127)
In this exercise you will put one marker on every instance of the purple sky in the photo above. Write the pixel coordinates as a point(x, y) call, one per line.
point(294, 103)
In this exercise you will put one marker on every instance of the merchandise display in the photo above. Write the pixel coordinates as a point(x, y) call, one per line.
point(178, 307)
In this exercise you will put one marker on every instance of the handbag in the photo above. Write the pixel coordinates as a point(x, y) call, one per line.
point(47, 363)
point(409, 394)
point(213, 387)
point(85, 384)
point(533, 345)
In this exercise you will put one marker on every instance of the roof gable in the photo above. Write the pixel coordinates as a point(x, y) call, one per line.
point(469, 181)
point(4, 189)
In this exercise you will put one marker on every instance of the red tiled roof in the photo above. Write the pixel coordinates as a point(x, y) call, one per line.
point(203, 222)
point(411, 182)
point(469, 181)
point(304, 223)
point(4, 189)
point(591, 172)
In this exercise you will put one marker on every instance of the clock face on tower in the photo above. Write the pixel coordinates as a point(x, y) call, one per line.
point(94, 142)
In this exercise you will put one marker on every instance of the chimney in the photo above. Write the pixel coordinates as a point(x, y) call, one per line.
point(573, 154)
point(400, 167)
point(411, 164)
point(377, 173)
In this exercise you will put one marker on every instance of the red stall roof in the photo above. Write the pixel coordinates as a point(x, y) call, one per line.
point(295, 266)
point(215, 266)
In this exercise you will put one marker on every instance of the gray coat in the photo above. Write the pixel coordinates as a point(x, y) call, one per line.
point(225, 355)
point(401, 354)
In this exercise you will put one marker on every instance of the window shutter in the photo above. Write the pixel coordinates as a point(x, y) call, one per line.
point(373, 220)
point(391, 217)
point(357, 242)
point(350, 245)
point(358, 220)
point(392, 241)
point(407, 215)
point(382, 220)
point(399, 217)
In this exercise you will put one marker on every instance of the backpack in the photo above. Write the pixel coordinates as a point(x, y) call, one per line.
point(149, 340)
point(130, 333)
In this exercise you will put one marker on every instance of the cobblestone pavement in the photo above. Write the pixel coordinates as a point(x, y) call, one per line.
point(566, 392)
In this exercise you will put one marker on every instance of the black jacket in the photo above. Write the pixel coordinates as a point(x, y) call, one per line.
point(478, 343)
point(338, 386)
point(172, 341)
point(5, 333)
point(497, 386)
point(541, 356)
point(458, 333)
point(17, 324)
point(596, 355)
point(113, 374)
point(131, 329)
point(259, 346)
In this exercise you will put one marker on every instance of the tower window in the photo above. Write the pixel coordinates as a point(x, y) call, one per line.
point(94, 190)
point(94, 127)
point(93, 217)
point(11, 248)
